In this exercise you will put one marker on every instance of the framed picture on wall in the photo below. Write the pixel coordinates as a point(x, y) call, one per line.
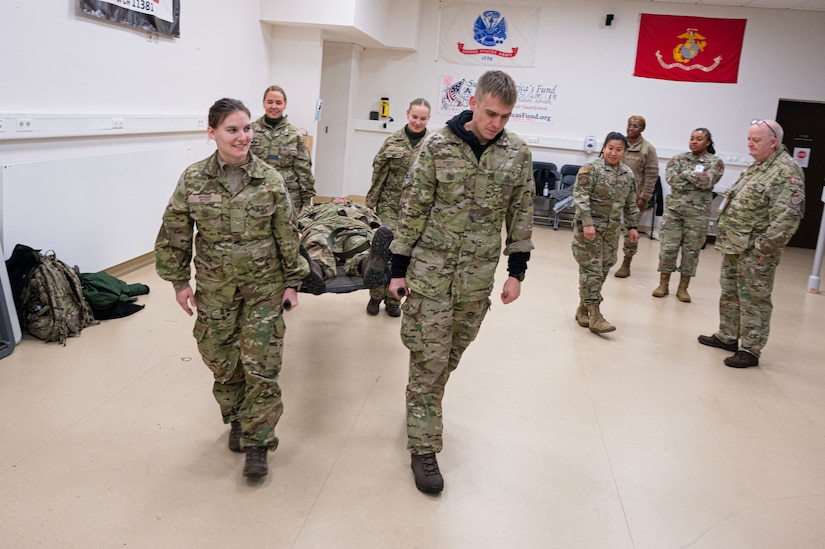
point(160, 16)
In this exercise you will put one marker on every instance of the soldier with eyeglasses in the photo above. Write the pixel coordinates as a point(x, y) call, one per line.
point(759, 215)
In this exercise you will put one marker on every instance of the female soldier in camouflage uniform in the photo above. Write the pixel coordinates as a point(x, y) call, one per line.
point(389, 169)
point(247, 269)
point(281, 145)
point(605, 193)
point(691, 177)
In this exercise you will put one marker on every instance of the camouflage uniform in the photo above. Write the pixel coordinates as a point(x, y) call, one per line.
point(452, 210)
point(331, 231)
point(389, 168)
point(283, 147)
point(687, 209)
point(246, 255)
point(761, 213)
point(642, 159)
point(604, 196)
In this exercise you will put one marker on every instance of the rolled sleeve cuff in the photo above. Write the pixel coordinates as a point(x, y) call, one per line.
point(397, 247)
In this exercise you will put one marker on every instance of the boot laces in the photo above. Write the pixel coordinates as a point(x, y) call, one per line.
point(430, 465)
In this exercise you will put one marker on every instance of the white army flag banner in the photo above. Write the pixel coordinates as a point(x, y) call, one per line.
point(536, 101)
point(487, 34)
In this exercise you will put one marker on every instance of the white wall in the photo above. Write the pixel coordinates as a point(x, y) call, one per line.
point(56, 60)
point(295, 64)
point(66, 61)
point(381, 23)
point(593, 64)
point(59, 61)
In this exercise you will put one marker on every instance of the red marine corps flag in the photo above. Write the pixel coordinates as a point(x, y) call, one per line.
point(689, 49)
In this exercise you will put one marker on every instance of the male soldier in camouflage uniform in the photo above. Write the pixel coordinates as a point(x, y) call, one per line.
point(642, 159)
point(247, 267)
point(344, 231)
point(605, 199)
point(389, 168)
point(281, 145)
point(761, 213)
point(470, 177)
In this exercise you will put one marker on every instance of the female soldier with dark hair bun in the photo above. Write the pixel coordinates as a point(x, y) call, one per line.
point(247, 270)
point(691, 177)
point(604, 195)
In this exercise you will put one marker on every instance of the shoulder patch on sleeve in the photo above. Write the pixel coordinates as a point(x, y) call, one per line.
point(584, 169)
point(797, 197)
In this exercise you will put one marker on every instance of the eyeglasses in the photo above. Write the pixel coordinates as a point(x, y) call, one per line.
point(760, 122)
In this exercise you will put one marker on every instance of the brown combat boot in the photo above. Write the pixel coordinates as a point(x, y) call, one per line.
point(582, 316)
point(393, 309)
point(624, 270)
point(598, 324)
point(681, 293)
point(372, 306)
point(662, 290)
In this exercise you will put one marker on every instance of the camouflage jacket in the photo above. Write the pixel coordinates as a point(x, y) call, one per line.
point(452, 210)
point(246, 238)
point(389, 168)
point(283, 147)
point(603, 194)
point(642, 159)
point(692, 190)
point(764, 207)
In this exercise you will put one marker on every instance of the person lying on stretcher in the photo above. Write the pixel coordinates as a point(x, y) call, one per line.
point(343, 236)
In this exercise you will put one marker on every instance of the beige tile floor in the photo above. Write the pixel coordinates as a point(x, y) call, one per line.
point(555, 437)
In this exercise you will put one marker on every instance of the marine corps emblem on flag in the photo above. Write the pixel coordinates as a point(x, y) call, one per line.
point(707, 50)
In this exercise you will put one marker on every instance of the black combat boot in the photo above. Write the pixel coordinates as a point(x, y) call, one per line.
point(313, 283)
point(255, 465)
point(235, 436)
point(713, 341)
point(742, 359)
point(428, 478)
point(375, 275)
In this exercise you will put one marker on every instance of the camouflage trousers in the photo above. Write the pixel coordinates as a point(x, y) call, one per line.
point(745, 303)
point(381, 293)
point(242, 344)
point(595, 258)
point(685, 233)
point(629, 248)
point(436, 332)
point(318, 247)
point(294, 189)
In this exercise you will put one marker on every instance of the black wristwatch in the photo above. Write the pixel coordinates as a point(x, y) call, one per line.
point(520, 277)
